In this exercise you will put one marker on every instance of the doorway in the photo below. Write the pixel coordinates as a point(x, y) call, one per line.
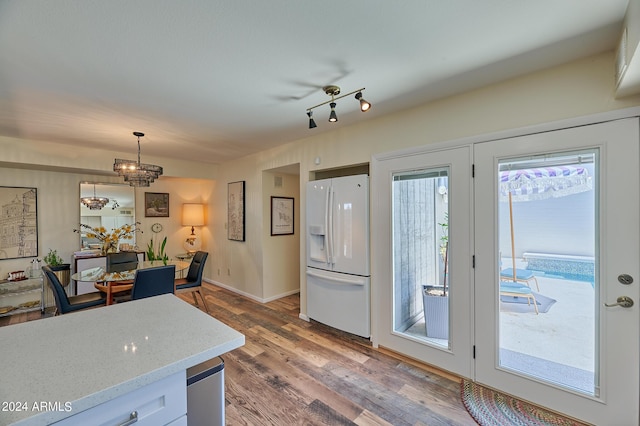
point(545, 265)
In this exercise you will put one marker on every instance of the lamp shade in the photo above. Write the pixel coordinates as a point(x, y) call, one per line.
point(192, 215)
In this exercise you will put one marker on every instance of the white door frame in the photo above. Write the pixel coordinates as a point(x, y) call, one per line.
point(378, 200)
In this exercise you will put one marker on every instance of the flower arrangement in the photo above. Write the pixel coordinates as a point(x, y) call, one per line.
point(109, 240)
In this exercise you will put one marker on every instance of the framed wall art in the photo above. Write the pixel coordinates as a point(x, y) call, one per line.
point(282, 216)
point(235, 211)
point(19, 222)
point(156, 204)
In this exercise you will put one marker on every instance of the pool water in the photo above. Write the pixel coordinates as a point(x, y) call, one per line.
point(588, 278)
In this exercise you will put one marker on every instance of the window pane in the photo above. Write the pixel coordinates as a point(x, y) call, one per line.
point(420, 255)
point(548, 259)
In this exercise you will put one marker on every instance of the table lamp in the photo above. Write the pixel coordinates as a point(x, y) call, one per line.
point(192, 215)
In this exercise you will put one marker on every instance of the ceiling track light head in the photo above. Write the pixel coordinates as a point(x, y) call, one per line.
point(364, 105)
point(332, 116)
point(312, 122)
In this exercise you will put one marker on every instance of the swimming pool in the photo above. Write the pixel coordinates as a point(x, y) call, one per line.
point(567, 267)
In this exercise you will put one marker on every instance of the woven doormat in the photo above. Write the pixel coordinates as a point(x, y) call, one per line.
point(490, 408)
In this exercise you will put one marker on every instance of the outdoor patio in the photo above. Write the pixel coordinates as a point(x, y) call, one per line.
point(555, 345)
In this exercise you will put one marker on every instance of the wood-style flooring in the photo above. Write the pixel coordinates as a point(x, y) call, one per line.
point(292, 372)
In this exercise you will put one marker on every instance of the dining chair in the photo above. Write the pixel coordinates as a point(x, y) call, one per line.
point(193, 282)
point(122, 261)
point(118, 262)
point(66, 304)
point(153, 282)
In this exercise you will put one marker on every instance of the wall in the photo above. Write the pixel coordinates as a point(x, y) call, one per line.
point(59, 210)
point(281, 274)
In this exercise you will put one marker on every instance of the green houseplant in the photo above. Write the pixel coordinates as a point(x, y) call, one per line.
point(160, 254)
point(57, 265)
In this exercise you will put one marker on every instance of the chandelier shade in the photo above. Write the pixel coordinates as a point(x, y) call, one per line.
point(135, 172)
point(94, 203)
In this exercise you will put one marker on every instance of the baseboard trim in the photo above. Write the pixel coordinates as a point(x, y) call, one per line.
point(249, 295)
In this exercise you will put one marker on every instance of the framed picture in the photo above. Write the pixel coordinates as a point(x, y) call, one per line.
point(18, 222)
point(282, 216)
point(235, 211)
point(156, 204)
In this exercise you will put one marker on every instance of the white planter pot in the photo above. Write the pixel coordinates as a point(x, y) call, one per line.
point(436, 315)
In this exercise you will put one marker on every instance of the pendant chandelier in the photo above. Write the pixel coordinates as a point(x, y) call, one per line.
point(94, 203)
point(136, 173)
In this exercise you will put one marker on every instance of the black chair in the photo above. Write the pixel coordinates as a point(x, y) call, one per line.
point(193, 282)
point(153, 282)
point(122, 261)
point(66, 304)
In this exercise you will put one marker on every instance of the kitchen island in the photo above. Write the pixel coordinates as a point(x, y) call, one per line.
point(56, 368)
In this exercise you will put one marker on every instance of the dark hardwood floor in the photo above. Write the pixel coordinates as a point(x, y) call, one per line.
point(291, 372)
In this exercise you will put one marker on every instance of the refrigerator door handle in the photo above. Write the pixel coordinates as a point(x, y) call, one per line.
point(329, 216)
point(338, 280)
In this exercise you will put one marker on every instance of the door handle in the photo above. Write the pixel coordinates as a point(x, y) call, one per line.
point(624, 301)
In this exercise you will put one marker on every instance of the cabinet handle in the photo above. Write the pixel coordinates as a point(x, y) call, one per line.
point(133, 418)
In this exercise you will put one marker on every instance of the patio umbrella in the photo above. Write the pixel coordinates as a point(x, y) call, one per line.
point(539, 184)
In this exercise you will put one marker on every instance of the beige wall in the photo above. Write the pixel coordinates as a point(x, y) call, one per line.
point(59, 210)
point(572, 90)
point(281, 268)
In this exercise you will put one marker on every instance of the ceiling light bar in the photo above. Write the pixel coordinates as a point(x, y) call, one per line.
point(334, 91)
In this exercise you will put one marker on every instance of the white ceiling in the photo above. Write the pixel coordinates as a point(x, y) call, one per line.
point(214, 80)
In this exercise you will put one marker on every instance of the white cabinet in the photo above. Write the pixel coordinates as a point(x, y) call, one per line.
point(84, 263)
point(160, 403)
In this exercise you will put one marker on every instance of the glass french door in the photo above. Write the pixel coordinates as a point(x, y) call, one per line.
point(556, 241)
point(424, 280)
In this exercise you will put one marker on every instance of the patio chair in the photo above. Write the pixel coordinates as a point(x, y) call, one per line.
point(522, 275)
point(512, 289)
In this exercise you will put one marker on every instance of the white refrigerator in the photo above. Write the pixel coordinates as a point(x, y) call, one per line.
point(338, 277)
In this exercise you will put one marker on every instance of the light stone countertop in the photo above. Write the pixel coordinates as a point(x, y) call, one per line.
point(83, 359)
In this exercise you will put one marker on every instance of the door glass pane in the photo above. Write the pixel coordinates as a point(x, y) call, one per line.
point(548, 268)
point(420, 255)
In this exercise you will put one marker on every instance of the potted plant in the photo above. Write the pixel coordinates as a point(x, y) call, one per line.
point(160, 255)
point(435, 298)
point(57, 265)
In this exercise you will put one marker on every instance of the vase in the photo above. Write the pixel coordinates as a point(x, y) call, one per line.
point(109, 247)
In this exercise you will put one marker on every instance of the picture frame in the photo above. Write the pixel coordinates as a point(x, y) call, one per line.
point(282, 216)
point(235, 211)
point(156, 204)
point(19, 222)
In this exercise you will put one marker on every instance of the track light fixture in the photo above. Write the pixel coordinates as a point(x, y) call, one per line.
point(334, 91)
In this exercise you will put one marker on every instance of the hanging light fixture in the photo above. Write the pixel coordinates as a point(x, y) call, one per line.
point(334, 91)
point(94, 203)
point(136, 173)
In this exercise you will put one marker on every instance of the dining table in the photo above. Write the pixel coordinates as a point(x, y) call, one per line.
point(112, 283)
